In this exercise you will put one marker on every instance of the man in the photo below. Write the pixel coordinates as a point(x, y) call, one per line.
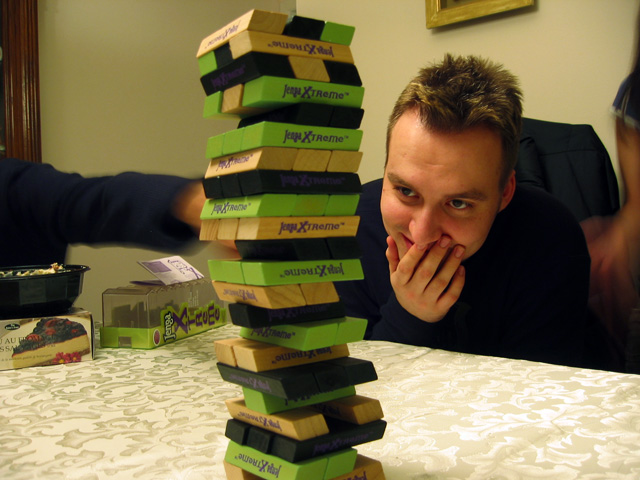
point(475, 263)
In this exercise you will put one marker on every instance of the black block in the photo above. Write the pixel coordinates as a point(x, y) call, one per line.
point(316, 114)
point(254, 182)
point(212, 187)
point(256, 317)
point(344, 73)
point(346, 117)
point(304, 27)
point(284, 250)
point(343, 247)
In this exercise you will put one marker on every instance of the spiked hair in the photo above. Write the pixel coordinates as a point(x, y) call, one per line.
point(465, 92)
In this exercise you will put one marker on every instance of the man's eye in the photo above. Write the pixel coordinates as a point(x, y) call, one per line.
point(459, 204)
point(406, 192)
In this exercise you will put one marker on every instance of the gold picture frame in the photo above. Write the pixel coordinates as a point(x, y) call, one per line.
point(439, 13)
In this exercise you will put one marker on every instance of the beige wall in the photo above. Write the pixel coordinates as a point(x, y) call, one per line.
point(120, 89)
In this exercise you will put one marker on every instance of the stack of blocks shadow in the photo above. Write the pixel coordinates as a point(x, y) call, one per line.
point(284, 186)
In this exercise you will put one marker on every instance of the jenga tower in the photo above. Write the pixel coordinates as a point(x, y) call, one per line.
point(284, 187)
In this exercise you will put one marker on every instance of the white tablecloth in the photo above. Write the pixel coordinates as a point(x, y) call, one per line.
point(160, 414)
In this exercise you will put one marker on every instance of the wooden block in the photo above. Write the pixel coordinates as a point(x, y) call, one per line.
point(274, 92)
point(257, 20)
point(312, 160)
point(365, 469)
point(299, 424)
point(284, 250)
point(350, 330)
point(232, 102)
point(266, 403)
point(355, 409)
point(304, 27)
point(209, 230)
point(258, 356)
point(212, 105)
point(246, 68)
point(227, 228)
point(233, 140)
point(273, 134)
point(236, 473)
point(271, 467)
point(301, 336)
point(344, 161)
point(207, 63)
point(338, 205)
point(343, 73)
point(315, 293)
point(344, 247)
point(302, 380)
point(281, 296)
point(273, 272)
point(317, 114)
point(249, 41)
point(259, 228)
point(255, 317)
point(229, 271)
point(265, 205)
point(266, 158)
point(225, 350)
point(309, 69)
point(337, 33)
point(341, 435)
point(346, 117)
point(303, 182)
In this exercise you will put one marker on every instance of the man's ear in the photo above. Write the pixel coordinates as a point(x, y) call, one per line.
point(509, 190)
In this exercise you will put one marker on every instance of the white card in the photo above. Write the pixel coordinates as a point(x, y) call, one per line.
point(170, 270)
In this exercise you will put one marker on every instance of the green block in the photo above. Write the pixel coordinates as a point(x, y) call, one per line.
point(306, 271)
point(268, 404)
point(273, 92)
point(267, 466)
point(300, 336)
point(226, 271)
point(340, 463)
point(340, 205)
point(337, 33)
point(265, 205)
point(274, 134)
point(232, 141)
point(207, 62)
point(214, 146)
point(350, 330)
point(310, 205)
point(212, 105)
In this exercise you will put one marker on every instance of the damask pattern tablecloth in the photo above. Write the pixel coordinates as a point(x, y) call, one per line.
point(142, 414)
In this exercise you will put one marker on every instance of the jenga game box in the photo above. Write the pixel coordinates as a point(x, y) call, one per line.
point(52, 340)
point(283, 187)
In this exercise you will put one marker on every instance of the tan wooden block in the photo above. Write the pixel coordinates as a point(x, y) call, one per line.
point(249, 41)
point(257, 20)
point(311, 160)
point(299, 424)
point(260, 357)
point(365, 468)
point(209, 230)
point(309, 69)
point(355, 409)
point(263, 228)
point(344, 161)
point(280, 296)
point(236, 473)
point(315, 293)
point(265, 158)
point(227, 229)
point(225, 350)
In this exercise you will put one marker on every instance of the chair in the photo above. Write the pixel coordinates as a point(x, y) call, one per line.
point(571, 163)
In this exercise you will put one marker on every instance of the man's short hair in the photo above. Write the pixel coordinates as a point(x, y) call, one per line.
point(464, 92)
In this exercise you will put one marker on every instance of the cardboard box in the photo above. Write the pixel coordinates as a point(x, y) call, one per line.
point(149, 315)
point(29, 342)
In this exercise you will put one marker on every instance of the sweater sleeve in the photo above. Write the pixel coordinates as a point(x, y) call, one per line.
point(45, 210)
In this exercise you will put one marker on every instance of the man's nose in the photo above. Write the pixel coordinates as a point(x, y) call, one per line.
point(425, 227)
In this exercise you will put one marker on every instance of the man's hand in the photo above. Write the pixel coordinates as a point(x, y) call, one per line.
point(427, 283)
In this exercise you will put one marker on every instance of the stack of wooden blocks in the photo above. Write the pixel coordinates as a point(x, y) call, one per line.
point(284, 187)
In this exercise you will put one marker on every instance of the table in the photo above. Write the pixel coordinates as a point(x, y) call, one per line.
point(159, 414)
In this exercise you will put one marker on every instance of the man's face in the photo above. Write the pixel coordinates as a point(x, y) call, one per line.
point(442, 184)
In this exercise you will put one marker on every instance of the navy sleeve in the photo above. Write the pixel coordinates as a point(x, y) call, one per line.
point(44, 210)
